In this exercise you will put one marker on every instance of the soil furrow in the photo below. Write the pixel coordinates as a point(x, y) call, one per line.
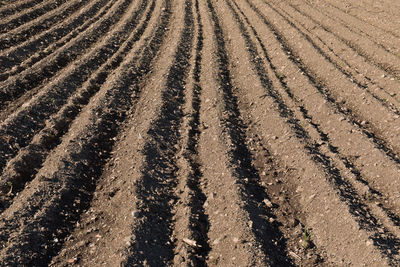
point(13, 38)
point(344, 188)
point(388, 41)
point(199, 133)
point(28, 57)
point(323, 138)
point(25, 17)
point(386, 25)
point(74, 16)
point(354, 110)
point(159, 174)
point(56, 203)
point(364, 47)
point(92, 248)
point(64, 87)
point(273, 243)
point(29, 159)
point(42, 72)
point(385, 98)
point(316, 162)
point(190, 221)
point(14, 8)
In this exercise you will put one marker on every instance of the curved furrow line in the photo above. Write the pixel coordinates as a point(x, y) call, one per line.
point(381, 28)
point(42, 72)
point(21, 19)
point(190, 221)
point(21, 127)
point(386, 242)
point(388, 43)
point(115, 225)
point(24, 166)
point(241, 160)
point(14, 8)
point(381, 59)
point(323, 139)
point(380, 131)
point(23, 43)
point(374, 169)
point(52, 19)
point(160, 168)
point(359, 12)
point(26, 55)
point(382, 6)
point(63, 190)
point(385, 96)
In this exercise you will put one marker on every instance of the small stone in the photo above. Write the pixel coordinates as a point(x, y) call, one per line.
point(72, 260)
point(135, 213)
point(190, 242)
point(268, 203)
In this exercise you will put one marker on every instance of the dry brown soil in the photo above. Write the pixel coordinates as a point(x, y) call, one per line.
point(199, 133)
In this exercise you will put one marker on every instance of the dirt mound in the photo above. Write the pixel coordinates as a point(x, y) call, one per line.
point(202, 133)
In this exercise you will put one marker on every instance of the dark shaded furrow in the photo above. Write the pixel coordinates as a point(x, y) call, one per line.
point(20, 53)
point(160, 169)
point(59, 92)
point(4, 13)
point(30, 15)
point(386, 241)
point(60, 202)
point(34, 77)
point(14, 39)
point(323, 136)
point(25, 55)
point(198, 221)
point(380, 143)
point(267, 234)
point(25, 167)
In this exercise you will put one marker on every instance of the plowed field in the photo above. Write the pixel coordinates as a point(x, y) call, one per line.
point(199, 133)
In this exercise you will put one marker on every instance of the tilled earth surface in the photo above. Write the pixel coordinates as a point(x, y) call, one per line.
point(199, 133)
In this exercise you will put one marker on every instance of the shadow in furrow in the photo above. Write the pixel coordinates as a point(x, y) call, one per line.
point(30, 15)
point(37, 28)
point(345, 72)
point(31, 79)
point(155, 190)
point(81, 169)
point(385, 241)
point(19, 8)
point(268, 235)
point(199, 222)
point(379, 142)
point(32, 118)
point(23, 169)
point(324, 137)
point(25, 46)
